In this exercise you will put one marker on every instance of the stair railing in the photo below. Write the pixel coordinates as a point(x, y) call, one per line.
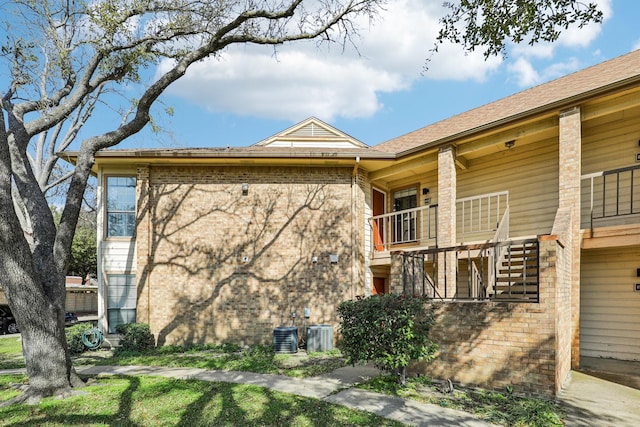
point(497, 255)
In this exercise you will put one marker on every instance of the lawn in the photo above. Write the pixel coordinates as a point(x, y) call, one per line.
point(154, 401)
point(111, 400)
point(499, 408)
point(259, 359)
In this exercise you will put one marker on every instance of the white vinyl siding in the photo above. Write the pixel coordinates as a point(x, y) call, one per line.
point(118, 255)
point(599, 135)
point(610, 308)
point(529, 173)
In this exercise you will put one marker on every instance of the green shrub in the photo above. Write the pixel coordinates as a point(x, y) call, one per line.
point(135, 337)
point(391, 330)
point(170, 349)
point(74, 337)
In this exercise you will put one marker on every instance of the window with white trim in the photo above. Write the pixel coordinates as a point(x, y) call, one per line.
point(121, 206)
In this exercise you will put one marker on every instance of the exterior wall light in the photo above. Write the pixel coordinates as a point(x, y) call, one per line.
point(510, 144)
point(245, 189)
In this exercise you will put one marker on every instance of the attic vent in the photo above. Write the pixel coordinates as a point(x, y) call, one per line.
point(313, 129)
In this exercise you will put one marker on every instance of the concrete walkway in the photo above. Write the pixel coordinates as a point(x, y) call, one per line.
point(587, 399)
point(604, 393)
point(335, 387)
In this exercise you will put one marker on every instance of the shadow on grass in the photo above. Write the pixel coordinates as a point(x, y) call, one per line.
point(151, 401)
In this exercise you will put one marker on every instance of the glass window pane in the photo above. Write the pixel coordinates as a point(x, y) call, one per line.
point(121, 206)
point(121, 300)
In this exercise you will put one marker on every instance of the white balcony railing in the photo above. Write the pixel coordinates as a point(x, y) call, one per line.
point(416, 226)
point(479, 216)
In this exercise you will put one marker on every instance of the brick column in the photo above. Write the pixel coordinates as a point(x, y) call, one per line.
point(569, 198)
point(396, 276)
point(446, 218)
point(143, 238)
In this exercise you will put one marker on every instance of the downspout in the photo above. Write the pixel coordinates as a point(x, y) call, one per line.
point(149, 243)
point(354, 228)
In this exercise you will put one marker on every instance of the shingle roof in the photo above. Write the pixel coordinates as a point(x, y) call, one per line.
point(570, 88)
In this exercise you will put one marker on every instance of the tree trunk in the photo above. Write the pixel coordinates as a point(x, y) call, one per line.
point(402, 376)
point(44, 344)
point(35, 289)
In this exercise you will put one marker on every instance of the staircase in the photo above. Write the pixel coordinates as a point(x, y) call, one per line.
point(517, 273)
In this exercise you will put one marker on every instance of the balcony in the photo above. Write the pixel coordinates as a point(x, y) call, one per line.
point(611, 198)
point(483, 218)
point(416, 227)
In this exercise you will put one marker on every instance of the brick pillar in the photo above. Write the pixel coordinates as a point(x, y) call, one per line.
point(396, 274)
point(143, 238)
point(569, 198)
point(446, 219)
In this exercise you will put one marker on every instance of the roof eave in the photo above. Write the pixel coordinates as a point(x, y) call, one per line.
point(558, 105)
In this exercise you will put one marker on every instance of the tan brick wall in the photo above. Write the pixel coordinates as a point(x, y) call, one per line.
point(447, 190)
point(229, 268)
point(494, 344)
point(143, 231)
point(570, 162)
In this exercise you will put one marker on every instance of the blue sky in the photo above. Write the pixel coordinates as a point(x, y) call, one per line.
point(377, 93)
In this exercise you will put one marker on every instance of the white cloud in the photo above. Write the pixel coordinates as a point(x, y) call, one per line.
point(302, 80)
point(527, 74)
point(636, 45)
point(524, 72)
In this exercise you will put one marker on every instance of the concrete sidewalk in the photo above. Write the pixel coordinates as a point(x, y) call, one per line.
point(587, 399)
point(335, 387)
point(592, 401)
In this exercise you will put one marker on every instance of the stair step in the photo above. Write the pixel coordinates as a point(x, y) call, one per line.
point(518, 287)
point(518, 271)
point(522, 248)
point(529, 280)
point(514, 298)
point(529, 261)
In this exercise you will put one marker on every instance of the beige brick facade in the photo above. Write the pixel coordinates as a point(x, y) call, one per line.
point(216, 265)
point(494, 345)
point(569, 198)
point(228, 267)
point(447, 195)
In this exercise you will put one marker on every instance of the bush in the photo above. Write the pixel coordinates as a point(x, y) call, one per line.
point(74, 338)
point(391, 330)
point(135, 337)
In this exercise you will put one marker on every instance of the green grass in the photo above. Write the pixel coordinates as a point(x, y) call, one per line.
point(259, 359)
point(500, 408)
point(11, 353)
point(153, 401)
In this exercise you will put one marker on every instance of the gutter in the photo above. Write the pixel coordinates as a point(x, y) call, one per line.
point(354, 225)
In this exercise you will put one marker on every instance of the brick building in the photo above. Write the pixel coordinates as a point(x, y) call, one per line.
point(521, 219)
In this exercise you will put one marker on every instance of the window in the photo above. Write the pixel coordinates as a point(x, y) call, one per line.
point(404, 227)
point(121, 300)
point(121, 206)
